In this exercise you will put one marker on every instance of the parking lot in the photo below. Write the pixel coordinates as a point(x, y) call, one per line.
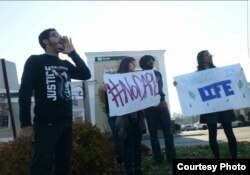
point(201, 137)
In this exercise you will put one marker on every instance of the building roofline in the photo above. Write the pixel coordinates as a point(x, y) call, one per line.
point(114, 53)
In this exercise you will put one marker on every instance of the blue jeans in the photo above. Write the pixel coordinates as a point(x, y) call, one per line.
point(52, 140)
point(160, 117)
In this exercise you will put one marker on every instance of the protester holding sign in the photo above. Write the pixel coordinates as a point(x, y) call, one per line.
point(204, 60)
point(225, 117)
point(129, 129)
point(158, 116)
point(111, 122)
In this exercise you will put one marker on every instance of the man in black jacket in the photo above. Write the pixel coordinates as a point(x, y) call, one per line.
point(158, 116)
point(49, 77)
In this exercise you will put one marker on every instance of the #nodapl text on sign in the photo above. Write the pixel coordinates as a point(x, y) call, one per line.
point(130, 92)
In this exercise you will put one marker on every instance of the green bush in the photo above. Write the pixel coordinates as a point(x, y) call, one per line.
point(15, 158)
point(241, 118)
point(248, 116)
point(177, 127)
point(92, 153)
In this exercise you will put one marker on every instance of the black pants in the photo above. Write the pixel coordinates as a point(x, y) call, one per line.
point(232, 143)
point(52, 141)
point(132, 149)
point(154, 117)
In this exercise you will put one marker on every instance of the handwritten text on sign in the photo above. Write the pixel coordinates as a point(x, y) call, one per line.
point(213, 90)
point(130, 92)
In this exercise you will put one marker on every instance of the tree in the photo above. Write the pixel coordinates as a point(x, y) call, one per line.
point(248, 116)
point(178, 118)
point(241, 118)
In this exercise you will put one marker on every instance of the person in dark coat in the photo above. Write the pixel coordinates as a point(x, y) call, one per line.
point(129, 129)
point(159, 116)
point(204, 59)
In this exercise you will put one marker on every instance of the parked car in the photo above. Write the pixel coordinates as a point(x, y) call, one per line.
point(237, 123)
point(200, 126)
point(219, 125)
point(188, 127)
point(203, 126)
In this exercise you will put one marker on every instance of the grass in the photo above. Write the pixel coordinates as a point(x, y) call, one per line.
point(194, 152)
point(201, 151)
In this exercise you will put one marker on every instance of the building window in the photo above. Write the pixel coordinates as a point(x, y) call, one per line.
point(78, 115)
point(4, 121)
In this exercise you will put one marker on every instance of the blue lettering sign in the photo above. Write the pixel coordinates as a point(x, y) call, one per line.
point(214, 90)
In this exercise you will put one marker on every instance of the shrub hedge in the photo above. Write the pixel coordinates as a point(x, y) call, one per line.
point(92, 153)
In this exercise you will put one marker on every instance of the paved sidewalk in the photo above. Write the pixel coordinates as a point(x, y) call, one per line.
point(5, 140)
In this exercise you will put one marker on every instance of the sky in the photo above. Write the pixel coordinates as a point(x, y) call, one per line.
point(182, 28)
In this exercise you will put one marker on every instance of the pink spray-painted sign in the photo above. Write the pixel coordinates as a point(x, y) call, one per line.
point(130, 92)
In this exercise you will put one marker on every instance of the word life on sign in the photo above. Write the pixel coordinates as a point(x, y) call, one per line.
point(213, 90)
point(130, 92)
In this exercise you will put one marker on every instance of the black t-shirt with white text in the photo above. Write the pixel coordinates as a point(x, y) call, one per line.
point(48, 78)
